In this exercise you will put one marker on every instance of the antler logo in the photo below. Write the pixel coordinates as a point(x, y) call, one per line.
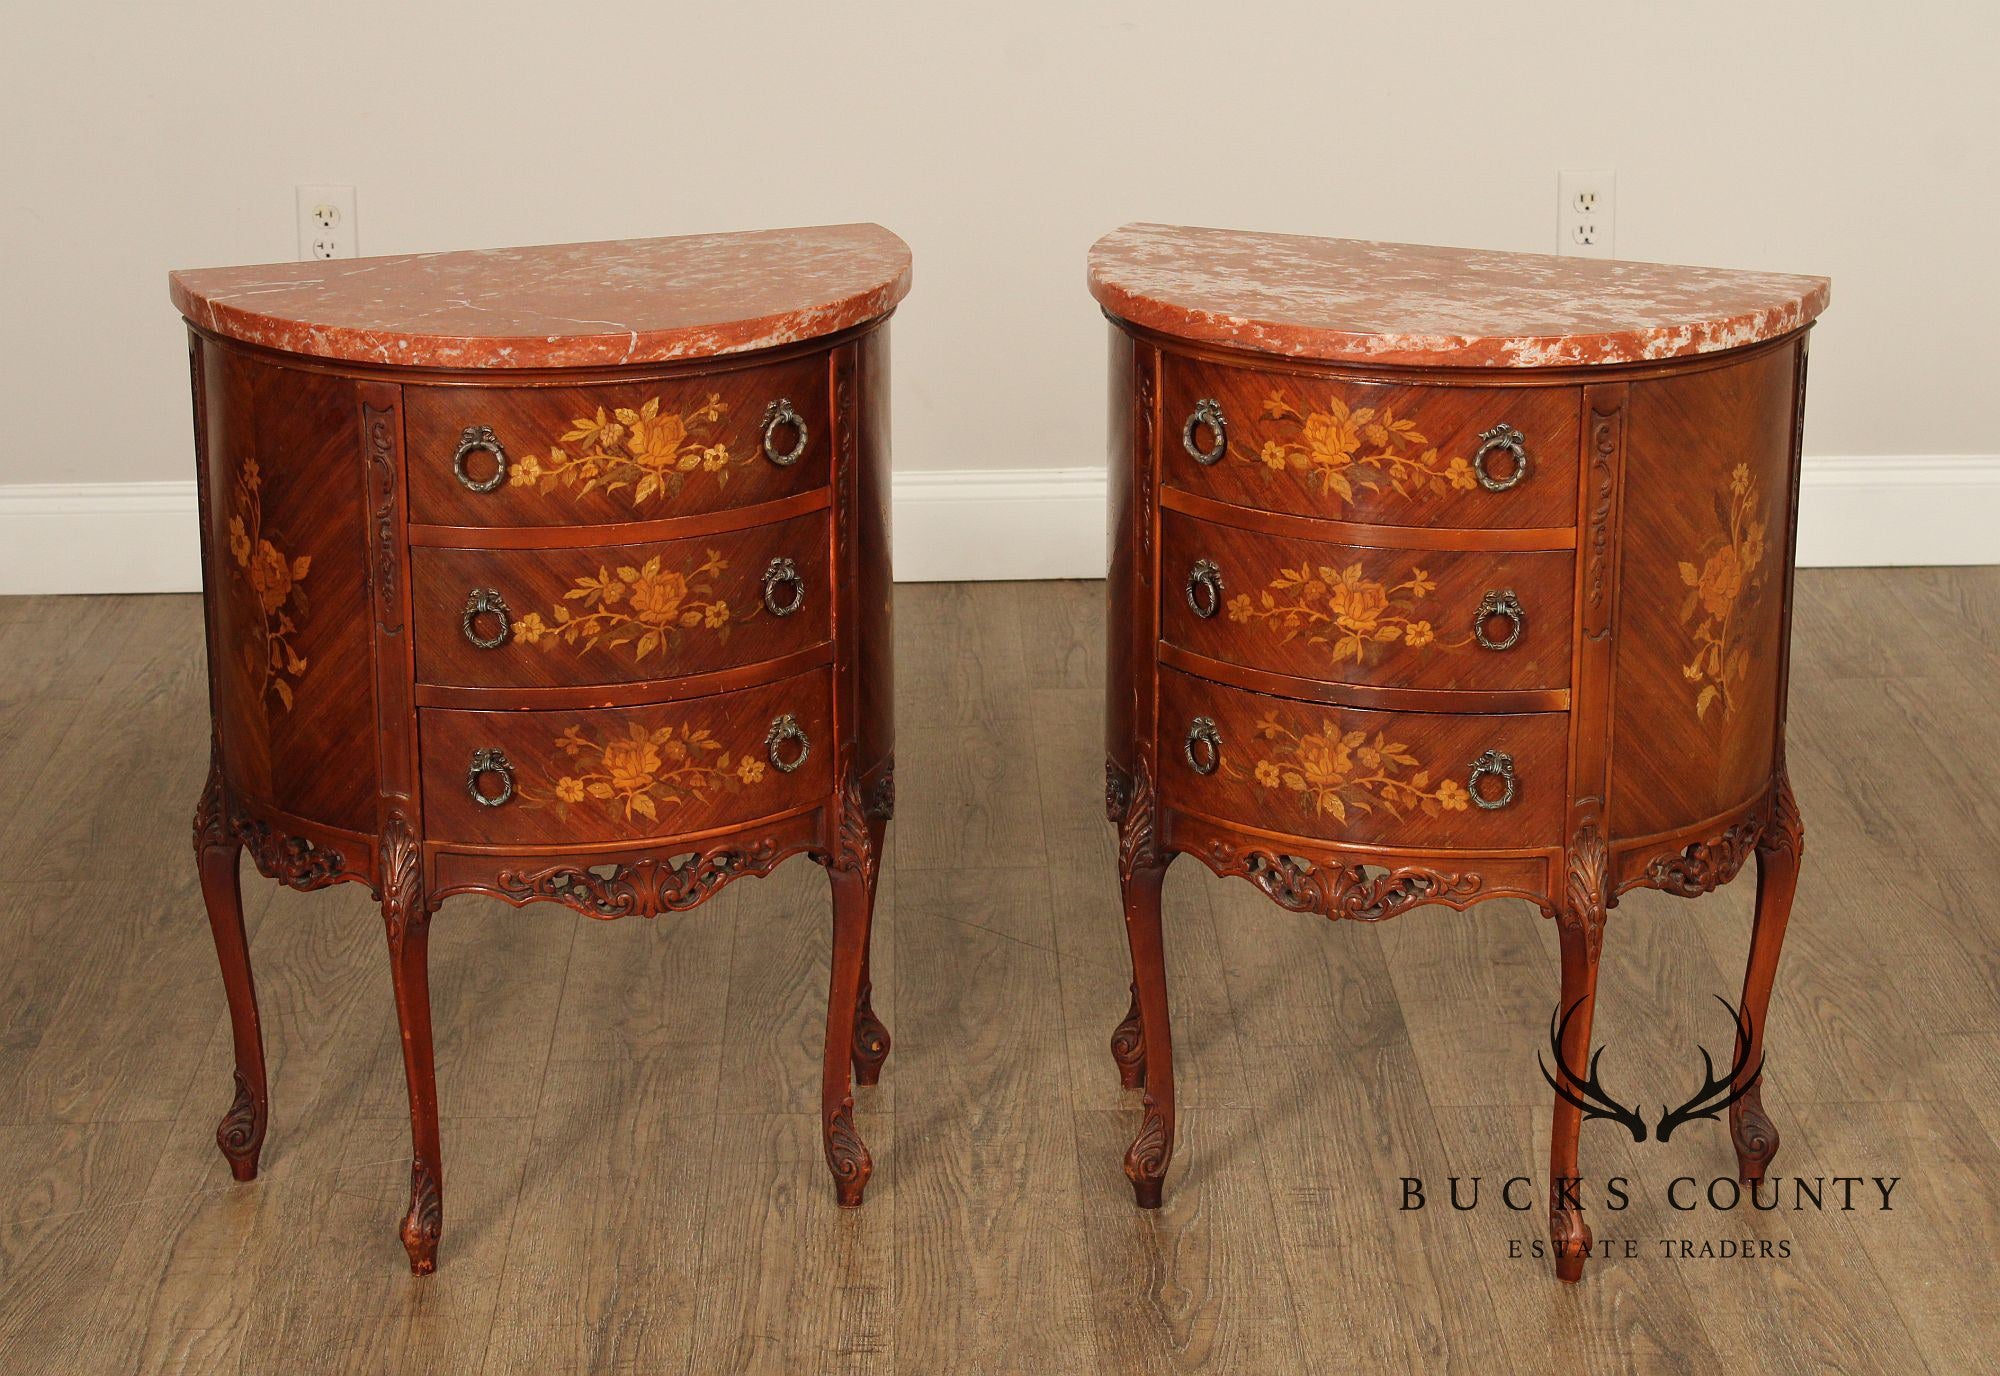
point(1586, 1092)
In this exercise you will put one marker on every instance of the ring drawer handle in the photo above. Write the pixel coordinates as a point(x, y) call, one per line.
point(490, 761)
point(1499, 603)
point(777, 574)
point(1202, 732)
point(1501, 437)
point(471, 441)
point(786, 728)
point(779, 413)
point(1500, 764)
point(1204, 588)
point(1207, 411)
point(486, 602)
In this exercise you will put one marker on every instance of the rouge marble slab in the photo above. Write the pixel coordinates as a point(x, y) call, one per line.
point(560, 305)
point(1354, 300)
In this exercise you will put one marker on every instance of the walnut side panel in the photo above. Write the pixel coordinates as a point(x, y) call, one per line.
point(1707, 492)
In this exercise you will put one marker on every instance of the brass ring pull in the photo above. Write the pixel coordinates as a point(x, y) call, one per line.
point(779, 413)
point(786, 728)
point(490, 761)
point(777, 574)
point(1499, 764)
point(1202, 732)
point(1207, 411)
point(1204, 588)
point(1501, 437)
point(485, 602)
point(1498, 604)
point(473, 439)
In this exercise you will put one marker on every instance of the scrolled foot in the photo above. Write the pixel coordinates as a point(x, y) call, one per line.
point(1755, 1139)
point(871, 1041)
point(1146, 1159)
point(1128, 1047)
point(424, 1224)
point(240, 1134)
point(1569, 1240)
point(847, 1157)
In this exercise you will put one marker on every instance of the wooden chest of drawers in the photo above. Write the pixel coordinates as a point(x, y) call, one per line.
point(508, 600)
point(1442, 576)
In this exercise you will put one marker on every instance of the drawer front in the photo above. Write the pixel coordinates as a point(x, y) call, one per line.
point(620, 613)
point(1375, 453)
point(625, 451)
point(1382, 778)
point(1357, 614)
point(606, 775)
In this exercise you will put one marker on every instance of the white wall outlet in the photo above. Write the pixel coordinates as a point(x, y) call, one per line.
point(1585, 205)
point(326, 222)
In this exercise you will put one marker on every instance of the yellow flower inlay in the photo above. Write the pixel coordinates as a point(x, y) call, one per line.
point(274, 581)
point(1343, 449)
point(1334, 771)
point(1342, 610)
point(645, 606)
point(648, 451)
point(643, 770)
point(1730, 574)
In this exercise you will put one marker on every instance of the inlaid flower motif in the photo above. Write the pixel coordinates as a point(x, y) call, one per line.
point(646, 606)
point(1342, 610)
point(645, 769)
point(1343, 449)
point(1729, 577)
point(1334, 772)
point(274, 580)
point(647, 451)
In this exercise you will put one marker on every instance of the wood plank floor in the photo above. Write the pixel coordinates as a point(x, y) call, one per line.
point(630, 1139)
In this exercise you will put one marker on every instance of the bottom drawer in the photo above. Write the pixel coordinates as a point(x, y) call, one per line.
point(1405, 779)
point(603, 775)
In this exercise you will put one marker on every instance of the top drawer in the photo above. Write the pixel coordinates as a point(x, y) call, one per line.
point(619, 451)
point(1375, 453)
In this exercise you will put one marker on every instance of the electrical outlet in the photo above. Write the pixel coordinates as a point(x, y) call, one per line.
point(326, 222)
point(1585, 205)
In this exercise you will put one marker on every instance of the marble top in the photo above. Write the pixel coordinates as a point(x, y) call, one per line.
point(560, 305)
point(1355, 300)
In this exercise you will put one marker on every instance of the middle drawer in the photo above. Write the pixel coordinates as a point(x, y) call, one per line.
point(525, 618)
point(1408, 618)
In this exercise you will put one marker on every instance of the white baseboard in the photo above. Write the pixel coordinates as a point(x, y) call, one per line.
point(1004, 524)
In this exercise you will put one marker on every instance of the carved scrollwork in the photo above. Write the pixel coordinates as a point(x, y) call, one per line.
point(400, 890)
point(240, 1134)
point(882, 796)
point(1146, 1158)
point(1706, 865)
point(1128, 1046)
point(384, 537)
point(1340, 892)
point(1604, 426)
point(1138, 847)
point(424, 1224)
point(853, 842)
point(211, 830)
point(1784, 830)
point(1117, 792)
point(641, 888)
point(846, 1155)
point(1586, 886)
point(291, 860)
point(1752, 1133)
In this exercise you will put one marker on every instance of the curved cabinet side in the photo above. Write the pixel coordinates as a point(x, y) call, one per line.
point(287, 563)
point(1706, 519)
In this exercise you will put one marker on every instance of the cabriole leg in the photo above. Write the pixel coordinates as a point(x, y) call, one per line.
point(1580, 921)
point(1146, 1160)
point(852, 874)
point(407, 920)
point(1778, 852)
point(240, 1134)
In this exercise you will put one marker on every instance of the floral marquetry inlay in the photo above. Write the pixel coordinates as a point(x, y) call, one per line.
point(1342, 610)
point(643, 769)
point(1332, 771)
point(1342, 449)
point(646, 606)
point(648, 451)
point(1728, 579)
point(276, 583)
